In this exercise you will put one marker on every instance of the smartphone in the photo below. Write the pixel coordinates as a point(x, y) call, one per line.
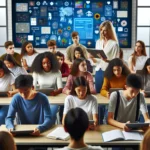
point(91, 122)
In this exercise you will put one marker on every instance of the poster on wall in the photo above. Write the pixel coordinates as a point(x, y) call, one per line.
point(41, 20)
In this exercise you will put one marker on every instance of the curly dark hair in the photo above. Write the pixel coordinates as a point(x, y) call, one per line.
point(37, 63)
point(23, 49)
point(79, 49)
point(116, 62)
point(3, 66)
point(147, 63)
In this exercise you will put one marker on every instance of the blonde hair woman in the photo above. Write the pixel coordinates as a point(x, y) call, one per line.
point(145, 145)
point(7, 141)
point(138, 58)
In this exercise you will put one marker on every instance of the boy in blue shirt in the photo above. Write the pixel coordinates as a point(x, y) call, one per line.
point(32, 107)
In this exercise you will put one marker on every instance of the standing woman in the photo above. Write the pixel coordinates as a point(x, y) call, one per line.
point(138, 58)
point(109, 43)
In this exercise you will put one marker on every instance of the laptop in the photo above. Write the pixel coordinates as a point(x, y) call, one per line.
point(46, 91)
point(4, 94)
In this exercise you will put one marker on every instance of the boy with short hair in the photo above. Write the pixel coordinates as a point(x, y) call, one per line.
point(31, 107)
point(76, 123)
point(70, 49)
point(125, 105)
point(51, 44)
point(9, 46)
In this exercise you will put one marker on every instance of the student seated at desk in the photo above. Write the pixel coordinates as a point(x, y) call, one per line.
point(80, 96)
point(12, 65)
point(123, 105)
point(31, 107)
point(7, 141)
point(76, 123)
point(114, 76)
point(28, 55)
point(51, 44)
point(79, 68)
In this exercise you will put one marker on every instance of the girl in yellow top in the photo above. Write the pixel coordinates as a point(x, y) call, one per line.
point(114, 76)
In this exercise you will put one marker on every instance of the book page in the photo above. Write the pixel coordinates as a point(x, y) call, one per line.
point(58, 133)
point(137, 136)
point(112, 135)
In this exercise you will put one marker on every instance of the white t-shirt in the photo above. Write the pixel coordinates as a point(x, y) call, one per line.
point(140, 62)
point(89, 104)
point(89, 147)
point(6, 81)
point(111, 50)
point(30, 59)
point(48, 80)
point(16, 70)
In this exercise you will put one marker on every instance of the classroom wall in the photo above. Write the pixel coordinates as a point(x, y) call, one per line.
point(127, 52)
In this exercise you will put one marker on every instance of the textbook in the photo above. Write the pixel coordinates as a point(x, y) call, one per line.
point(58, 133)
point(118, 135)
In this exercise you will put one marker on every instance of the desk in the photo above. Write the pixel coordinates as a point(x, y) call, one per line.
point(91, 137)
point(59, 99)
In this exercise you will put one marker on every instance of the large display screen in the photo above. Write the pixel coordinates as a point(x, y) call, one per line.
point(41, 20)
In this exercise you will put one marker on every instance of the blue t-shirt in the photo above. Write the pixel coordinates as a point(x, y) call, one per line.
point(34, 111)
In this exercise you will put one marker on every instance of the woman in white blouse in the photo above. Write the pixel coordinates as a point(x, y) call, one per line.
point(138, 58)
point(109, 43)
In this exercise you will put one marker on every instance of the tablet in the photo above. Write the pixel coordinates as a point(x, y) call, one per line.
point(136, 126)
point(114, 89)
point(46, 91)
point(94, 53)
point(22, 132)
point(4, 94)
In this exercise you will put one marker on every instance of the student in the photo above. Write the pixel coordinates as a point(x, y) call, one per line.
point(28, 55)
point(31, 107)
point(76, 124)
point(109, 43)
point(46, 72)
point(9, 46)
point(124, 106)
point(70, 49)
point(80, 96)
point(78, 53)
point(7, 141)
point(15, 68)
point(121, 54)
point(51, 44)
point(63, 66)
point(145, 144)
point(138, 58)
point(79, 68)
point(114, 76)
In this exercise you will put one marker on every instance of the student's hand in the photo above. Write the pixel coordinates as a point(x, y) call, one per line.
point(68, 92)
point(36, 132)
point(142, 91)
point(93, 126)
point(99, 55)
point(11, 132)
point(25, 67)
point(90, 55)
point(125, 128)
point(108, 95)
point(53, 93)
point(10, 93)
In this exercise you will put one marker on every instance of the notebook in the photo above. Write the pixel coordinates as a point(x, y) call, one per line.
point(58, 133)
point(119, 135)
point(136, 126)
point(94, 53)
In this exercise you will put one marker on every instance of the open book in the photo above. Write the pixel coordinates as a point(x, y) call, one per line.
point(121, 135)
point(58, 133)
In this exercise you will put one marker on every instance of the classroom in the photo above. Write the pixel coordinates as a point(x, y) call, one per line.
point(74, 75)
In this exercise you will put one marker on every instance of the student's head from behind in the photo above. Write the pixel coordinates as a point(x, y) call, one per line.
point(78, 53)
point(6, 141)
point(75, 37)
point(133, 85)
point(140, 48)
point(145, 144)
point(76, 123)
point(79, 65)
point(10, 61)
point(146, 68)
point(9, 46)
point(51, 44)
point(46, 62)
point(3, 69)
point(27, 48)
point(24, 84)
point(60, 57)
point(80, 87)
point(107, 31)
point(116, 68)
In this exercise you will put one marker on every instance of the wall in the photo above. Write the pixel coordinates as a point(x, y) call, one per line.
point(127, 52)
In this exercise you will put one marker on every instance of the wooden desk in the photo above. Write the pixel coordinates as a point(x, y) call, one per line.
point(91, 137)
point(59, 99)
